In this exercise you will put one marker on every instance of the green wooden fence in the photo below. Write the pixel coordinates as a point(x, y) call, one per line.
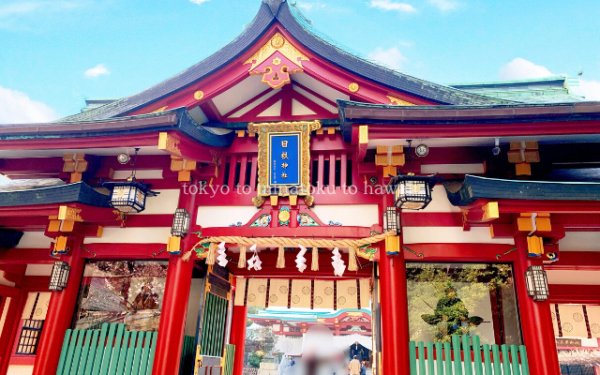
point(229, 358)
point(438, 360)
point(110, 351)
point(188, 352)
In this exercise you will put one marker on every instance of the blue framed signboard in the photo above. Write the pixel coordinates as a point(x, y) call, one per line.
point(285, 151)
point(284, 158)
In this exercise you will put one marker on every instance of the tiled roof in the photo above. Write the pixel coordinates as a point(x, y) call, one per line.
point(272, 11)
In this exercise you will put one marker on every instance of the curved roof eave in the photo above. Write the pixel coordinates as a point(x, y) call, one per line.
point(269, 12)
point(176, 119)
point(476, 187)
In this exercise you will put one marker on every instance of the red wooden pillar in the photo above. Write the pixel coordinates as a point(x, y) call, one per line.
point(175, 301)
point(536, 320)
point(238, 337)
point(394, 311)
point(60, 315)
point(17, 299)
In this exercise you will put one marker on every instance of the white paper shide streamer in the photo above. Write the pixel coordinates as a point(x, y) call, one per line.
point(254, 262)
point(222, 258)
point(338, 264)
point(300, 259)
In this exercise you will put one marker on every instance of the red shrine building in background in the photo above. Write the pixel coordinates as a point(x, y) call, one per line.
point(284, 172)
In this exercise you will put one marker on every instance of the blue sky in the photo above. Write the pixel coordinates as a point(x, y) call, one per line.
point(56, 53)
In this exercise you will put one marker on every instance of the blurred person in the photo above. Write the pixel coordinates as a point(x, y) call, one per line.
point(354, 367)
point(363, 369)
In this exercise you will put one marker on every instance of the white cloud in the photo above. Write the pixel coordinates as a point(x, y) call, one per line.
point(444, 5)
point(96, 71)
point(12, 9)
point(406, 43)
point(16, 107)
point(390, 5)
point(391, 58)
point(199, 1)
point(13, 13)
point(305, 6)
point(591, 89)
point(522, 69)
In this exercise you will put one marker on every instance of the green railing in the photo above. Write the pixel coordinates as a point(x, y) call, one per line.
point(110, 351)
point(229, 358)
point(188, 352)
point(429, 358)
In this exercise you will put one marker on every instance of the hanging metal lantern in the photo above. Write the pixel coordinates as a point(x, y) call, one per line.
point(391, 220)
point(129, 196)
point(537, 283)
point(59, 276)
point(412, 192)
point(181, 223)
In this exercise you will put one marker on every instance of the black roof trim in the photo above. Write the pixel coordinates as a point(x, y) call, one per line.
point(269, 12)
point(474, 188)
point(78, 192)
point(365, 113)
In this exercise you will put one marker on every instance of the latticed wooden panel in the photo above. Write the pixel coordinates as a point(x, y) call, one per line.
point(213, 326)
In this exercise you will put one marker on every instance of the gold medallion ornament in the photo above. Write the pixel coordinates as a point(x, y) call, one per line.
point(277, 41)
point(353, 87)
point(198, 95)
point(284, 216)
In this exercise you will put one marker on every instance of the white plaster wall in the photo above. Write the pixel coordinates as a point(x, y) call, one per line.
point(191, 320)
point(4, 281)
point(473, 168)
point(4, 313)
point(439, 202)
point(575, 277)
point(34, 240)
point(223, 216)
point(450, 235)
point(154, 174)
point(132, 235)
point(38, 270)
point(580, 241)
point(20, 370)
point(164, 203)
point(356, 215)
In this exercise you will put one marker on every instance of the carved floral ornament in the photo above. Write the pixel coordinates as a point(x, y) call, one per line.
point(275, 61)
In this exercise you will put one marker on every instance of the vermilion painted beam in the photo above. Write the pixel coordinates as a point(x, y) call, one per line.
point(25, 256)
point(25, 223)
point(329, 232)
point(22, 168)
point(524, 206)
point(211, 111)
point(431, 219)
point(576, 260)
point(579, 220)
point(81, 143)
point(465, 252)
point(35, 283)
point(124, 251)
point(584, 294)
